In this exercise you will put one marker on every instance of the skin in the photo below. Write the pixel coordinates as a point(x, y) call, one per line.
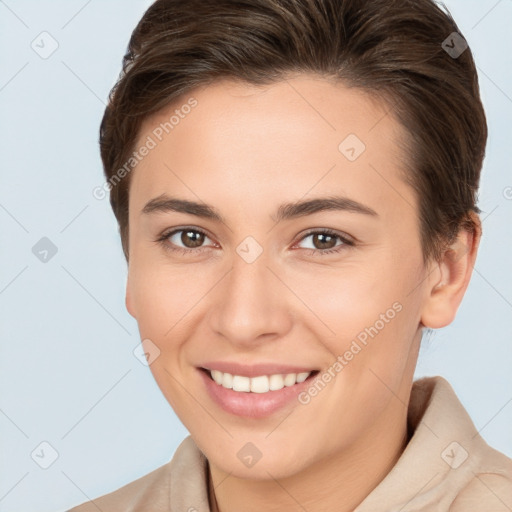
point(245, 150)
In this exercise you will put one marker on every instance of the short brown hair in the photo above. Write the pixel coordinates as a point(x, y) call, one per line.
point(390, 48)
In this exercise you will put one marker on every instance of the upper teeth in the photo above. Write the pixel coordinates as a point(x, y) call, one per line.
point(260, 384)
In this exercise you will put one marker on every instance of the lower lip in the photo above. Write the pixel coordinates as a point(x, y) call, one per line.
point(253, 405)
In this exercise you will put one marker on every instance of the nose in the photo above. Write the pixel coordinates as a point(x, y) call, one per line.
point(250, 304)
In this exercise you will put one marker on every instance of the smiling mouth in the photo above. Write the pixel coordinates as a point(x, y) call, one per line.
point(260, 383)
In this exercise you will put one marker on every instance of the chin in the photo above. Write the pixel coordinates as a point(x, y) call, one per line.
point(247, 458)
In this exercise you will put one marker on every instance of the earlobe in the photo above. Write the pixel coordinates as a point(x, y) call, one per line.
point(449, 279)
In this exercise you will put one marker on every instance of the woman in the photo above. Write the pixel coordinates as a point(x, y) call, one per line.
point(295, 183)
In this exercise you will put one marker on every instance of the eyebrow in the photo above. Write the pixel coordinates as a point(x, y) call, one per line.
point(164, 203)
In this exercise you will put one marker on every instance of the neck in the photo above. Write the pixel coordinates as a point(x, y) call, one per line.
point(339, 482)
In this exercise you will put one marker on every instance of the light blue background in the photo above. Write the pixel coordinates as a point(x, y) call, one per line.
point(67, 370)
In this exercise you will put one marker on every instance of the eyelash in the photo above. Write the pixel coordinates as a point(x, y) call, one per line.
point(346, 242)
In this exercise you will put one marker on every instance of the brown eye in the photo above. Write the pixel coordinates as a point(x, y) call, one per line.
point(192, 239)
point(323, 241)
point(184, 240)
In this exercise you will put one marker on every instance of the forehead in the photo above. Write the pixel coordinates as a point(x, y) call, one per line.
point(329, 109)
point(289, 137)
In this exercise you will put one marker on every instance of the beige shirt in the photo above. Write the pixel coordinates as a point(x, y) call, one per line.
point(446, 466)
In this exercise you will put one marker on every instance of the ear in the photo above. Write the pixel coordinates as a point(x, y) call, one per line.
point(128, 298)
point(449, 278)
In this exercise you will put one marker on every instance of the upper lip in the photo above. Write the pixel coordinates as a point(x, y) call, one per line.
point(254, 370)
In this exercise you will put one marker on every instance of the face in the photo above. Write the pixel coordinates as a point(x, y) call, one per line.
point(271, 234)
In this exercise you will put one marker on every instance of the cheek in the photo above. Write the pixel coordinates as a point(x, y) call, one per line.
point(359, 306)
point(164, 300)
point(163, 295)
point(347, 298)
